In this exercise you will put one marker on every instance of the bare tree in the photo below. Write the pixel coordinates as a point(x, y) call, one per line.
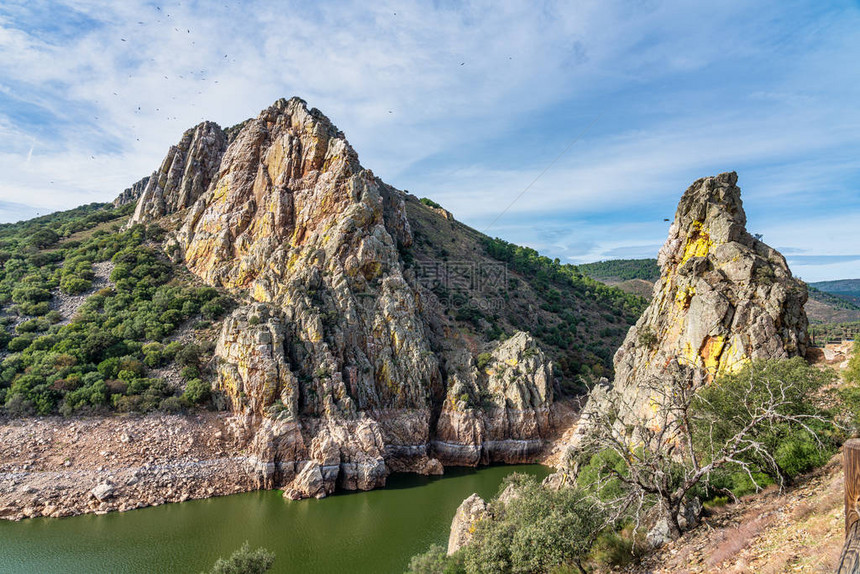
point(672, 435)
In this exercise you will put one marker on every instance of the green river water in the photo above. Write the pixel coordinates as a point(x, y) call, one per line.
point(376, 531)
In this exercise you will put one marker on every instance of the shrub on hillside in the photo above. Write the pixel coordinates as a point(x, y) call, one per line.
point(538, 530)
point(197, 391)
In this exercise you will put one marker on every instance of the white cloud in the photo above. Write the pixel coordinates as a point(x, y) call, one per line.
point(462, 103)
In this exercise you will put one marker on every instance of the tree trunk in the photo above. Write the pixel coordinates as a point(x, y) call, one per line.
point(670, 511)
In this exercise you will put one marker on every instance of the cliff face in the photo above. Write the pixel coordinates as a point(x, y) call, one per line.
point(338, 362)
point(723, 298)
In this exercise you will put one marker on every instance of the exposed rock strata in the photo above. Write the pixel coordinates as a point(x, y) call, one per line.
point(131, 194)
point(340, 366)
point(499, 412)
point(184, 174)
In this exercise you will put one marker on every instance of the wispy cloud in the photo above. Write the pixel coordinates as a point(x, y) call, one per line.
point(464, 103)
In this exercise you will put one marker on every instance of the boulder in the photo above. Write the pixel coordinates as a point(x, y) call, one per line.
point(470, 512)
point(103, 491)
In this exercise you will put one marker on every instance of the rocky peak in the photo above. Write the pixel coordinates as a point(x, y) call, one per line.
point(723, 299)
point(185, 173)
point(336, 360)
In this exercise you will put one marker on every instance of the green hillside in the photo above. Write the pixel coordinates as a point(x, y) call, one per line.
point(617, 270)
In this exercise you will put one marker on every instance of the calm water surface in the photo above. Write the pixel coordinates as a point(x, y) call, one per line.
point(376, 531)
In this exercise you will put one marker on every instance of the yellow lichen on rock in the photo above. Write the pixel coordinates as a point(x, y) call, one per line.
point(711, 352)
point(733, 360)
point(684, 296)
point(699, 243)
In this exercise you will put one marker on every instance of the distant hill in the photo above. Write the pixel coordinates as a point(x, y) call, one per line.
point(834, 299)
point(618, 270)
point(848, 289)
point(830, 302)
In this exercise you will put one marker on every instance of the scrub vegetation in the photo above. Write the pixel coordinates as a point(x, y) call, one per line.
point(105, 356)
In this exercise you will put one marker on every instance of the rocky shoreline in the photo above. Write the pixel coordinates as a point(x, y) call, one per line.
point(58, 467)
point(62, 467)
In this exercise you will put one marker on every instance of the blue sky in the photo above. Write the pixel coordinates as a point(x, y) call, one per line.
point(467, 104)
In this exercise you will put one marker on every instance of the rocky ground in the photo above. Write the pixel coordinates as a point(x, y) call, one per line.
point(799, 530)
point(68, 305)
point(60, 467)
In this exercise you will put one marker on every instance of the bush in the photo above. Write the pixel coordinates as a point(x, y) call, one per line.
point(852, 373)
point(29, 294)
point(616, 550)
point(484, 360)
point(20, 343)
point(538, 530)
point(189, 373)
point(172, 405)
point(434, 561)
point(647, 337)
point(245, 561)
point(32, 326)
point(74, 285)
point(189, 356)
point(215, 308)
point(53, 317)
point(45, 237)
point(197, 391)
point(36, 309)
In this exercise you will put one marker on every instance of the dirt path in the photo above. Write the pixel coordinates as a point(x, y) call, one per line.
point(800, 530)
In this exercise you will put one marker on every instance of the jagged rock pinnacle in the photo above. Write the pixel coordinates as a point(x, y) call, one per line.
point(723, 299)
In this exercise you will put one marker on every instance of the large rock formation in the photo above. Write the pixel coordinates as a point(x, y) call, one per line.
point(337, 361)
point(497, 406)
point(724, 298)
